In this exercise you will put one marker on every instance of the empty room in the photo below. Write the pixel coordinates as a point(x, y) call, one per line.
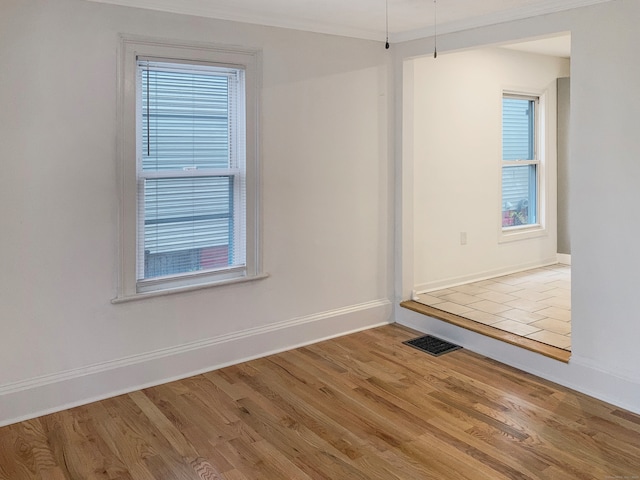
point(217, 213)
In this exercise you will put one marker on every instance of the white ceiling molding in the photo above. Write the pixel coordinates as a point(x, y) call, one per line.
point(213, 9)
point(355, 18)
point(543, 7)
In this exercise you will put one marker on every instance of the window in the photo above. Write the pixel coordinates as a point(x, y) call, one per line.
point(520, 161)
point(189, 153)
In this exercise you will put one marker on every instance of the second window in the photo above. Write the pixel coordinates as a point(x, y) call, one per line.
point(520, 161)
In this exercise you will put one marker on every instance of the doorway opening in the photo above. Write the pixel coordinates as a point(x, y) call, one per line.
point(467, 260)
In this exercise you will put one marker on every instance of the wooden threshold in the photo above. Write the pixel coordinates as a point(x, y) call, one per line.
point(489, 331)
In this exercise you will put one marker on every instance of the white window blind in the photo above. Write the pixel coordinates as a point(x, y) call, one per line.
point(191, 170)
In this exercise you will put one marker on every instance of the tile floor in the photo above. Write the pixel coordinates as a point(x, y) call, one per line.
point(535, 304)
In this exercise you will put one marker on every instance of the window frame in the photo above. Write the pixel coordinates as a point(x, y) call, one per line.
point(519, 232)
point(249, 60)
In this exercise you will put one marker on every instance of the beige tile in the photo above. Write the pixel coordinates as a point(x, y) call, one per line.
point(535, 286)
point(497, 297)
point(561, 284)
point(559, 274)
point(501, 287)
point(515, 327)
point(453, 308)
point(470, 289)
point(524, 304)
point(531, 295)
point(521, 316)
point(559, 292)
point(429, 299)
point(546, 277)
point(460, 298)
point(482, 317)
point(534, 303)
point(557, 313)
point(514, 279)
point(560, 302)
point(548, 271)
point(439, 293)
point(550, 338)
point(489, 306)
point(553, 325)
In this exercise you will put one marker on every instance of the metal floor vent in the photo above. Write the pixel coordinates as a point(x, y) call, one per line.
point(432, 345)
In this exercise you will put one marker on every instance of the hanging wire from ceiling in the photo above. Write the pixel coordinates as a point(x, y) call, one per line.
point(386, 19)
point(435, 29)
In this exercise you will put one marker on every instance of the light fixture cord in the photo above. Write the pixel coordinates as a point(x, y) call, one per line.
point(435, 29)
point(386, 18)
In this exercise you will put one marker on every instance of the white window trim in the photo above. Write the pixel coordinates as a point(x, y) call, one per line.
point(251, 61)
point(541, 147)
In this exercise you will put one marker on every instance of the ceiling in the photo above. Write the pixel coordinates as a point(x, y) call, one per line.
point(557, 46)
point(407, 19)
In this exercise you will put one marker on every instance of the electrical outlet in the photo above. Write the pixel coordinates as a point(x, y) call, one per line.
point(463, 238)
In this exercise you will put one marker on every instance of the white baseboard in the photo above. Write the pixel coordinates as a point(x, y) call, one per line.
point(479, 276)
point(50, 393)
point(578, 374)
point(564, 258)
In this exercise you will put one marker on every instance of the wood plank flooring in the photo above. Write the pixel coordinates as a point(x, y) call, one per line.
point(362, 406)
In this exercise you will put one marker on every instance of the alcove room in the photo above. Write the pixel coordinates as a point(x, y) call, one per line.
point(497, 251)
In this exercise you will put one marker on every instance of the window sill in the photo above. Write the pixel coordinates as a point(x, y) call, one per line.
point(190, 288)
point(526, 232)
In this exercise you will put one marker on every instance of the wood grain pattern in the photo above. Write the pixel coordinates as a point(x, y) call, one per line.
point(363, 406)
point(489, 331)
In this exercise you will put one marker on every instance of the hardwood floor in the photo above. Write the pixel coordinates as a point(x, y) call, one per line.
point(362, 406)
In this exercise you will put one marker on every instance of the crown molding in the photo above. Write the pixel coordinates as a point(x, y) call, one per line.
point(212, 10)
point(513, 14)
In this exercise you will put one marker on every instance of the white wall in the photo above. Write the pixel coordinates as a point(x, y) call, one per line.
point(456, 137)
point(605, 167)
point(326, 207)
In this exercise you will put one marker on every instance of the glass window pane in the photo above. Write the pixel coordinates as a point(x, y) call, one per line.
point(518, 121)
point(188, 121)
point(185, 118)
point(188, 224)
point(519, 195)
